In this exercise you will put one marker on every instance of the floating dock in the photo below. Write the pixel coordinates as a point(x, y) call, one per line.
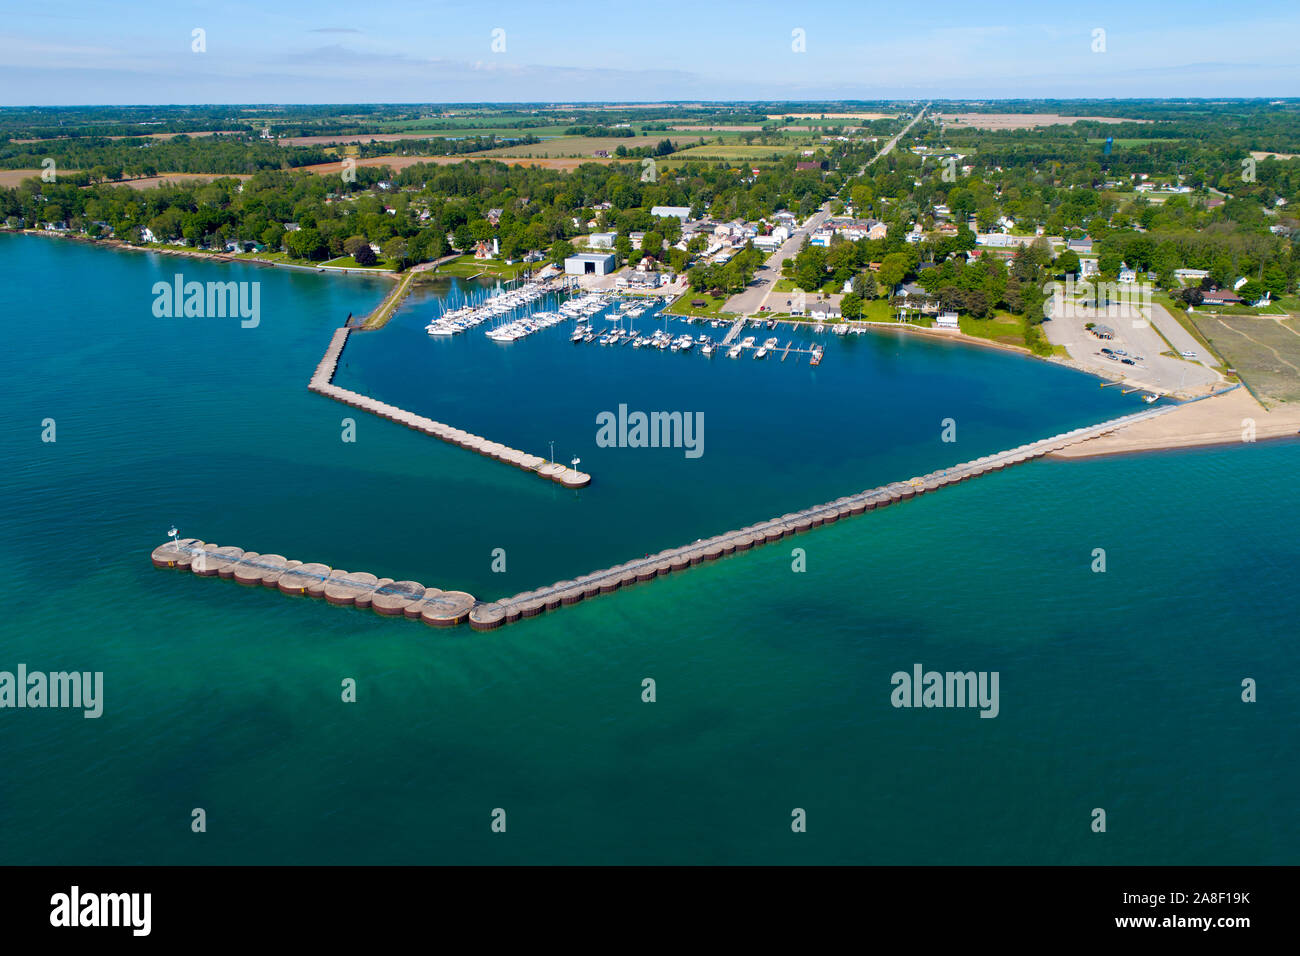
point(322, 384)
point(411, 600)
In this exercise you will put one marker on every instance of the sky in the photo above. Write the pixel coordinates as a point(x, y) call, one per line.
point(83, 52)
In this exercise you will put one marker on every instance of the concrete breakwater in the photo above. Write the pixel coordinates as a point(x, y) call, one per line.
point(409, 599)
point(532, 603)
point(322, 384)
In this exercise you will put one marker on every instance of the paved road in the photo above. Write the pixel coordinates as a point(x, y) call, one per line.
point(1178, 336)
point(758, 291)
point(763, 285)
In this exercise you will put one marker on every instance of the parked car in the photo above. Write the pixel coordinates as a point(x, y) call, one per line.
point(1128, 361)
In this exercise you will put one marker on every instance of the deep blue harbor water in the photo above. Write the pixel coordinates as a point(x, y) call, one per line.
point(1119, 690)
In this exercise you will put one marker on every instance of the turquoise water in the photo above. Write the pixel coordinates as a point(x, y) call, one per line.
point(1118, 690)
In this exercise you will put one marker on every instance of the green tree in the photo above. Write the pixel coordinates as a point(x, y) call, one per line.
point(851, 306)
point(561, 249)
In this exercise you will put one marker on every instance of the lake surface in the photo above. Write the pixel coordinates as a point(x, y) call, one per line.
point(1118, 690)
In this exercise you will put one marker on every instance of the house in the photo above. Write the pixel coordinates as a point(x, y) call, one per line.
point(1082, 247)
point(1127, 276)
point(1191, 275)
point(1087, 267)
point(494, 216)
point(947, 320)
point(1220, 297)
point(589, 263)
point(809, 166)
point(482, 250)
point(1102, 331)
point(146, 235)
point(822, 237)
point(601, 154)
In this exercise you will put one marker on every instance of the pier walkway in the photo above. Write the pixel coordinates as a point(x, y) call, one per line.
point(411, 599)
point(734, 331)
point(322, 384)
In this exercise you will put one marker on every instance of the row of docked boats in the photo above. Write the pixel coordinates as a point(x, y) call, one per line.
point(584, 306)
point(760, 351)
point(524, 327)
point(473, 314)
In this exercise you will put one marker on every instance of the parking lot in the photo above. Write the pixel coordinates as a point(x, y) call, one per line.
point(1136, 340)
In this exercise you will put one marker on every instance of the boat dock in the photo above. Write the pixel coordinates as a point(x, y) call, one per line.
point(322, 384)
point(411, 600)
point(733, 331)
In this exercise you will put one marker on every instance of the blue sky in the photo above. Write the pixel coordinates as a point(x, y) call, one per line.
point(287, 51)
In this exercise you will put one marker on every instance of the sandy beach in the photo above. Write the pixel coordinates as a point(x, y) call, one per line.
point(1221, 420)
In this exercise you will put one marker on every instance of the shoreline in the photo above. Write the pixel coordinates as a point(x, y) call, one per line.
point(1221, 419)
point(185, 252)
point(1210, 421)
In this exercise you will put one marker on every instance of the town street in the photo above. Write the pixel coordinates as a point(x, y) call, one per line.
point(760, 289)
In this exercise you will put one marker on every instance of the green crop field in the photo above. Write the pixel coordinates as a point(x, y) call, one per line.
point(736, 152)
point(583, 146)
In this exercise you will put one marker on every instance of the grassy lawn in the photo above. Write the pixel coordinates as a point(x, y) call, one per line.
point(467, 265)
point(347, 262)
point(1007, 329)
point(1003, 327)
point(713, 304)
point(877, 310)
